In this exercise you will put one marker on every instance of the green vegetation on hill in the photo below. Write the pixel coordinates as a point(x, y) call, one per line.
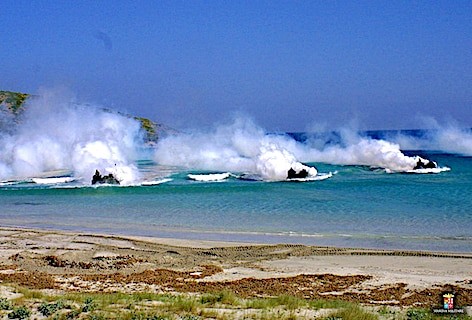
point(150, 127)
point(13, 102)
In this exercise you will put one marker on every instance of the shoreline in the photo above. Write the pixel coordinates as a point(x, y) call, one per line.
point(342, 241)
point(210, 243)
point(84, 262)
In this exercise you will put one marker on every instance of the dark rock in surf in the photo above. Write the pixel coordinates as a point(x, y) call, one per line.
point(292, 174)
point(108, 179)
point(425, 165)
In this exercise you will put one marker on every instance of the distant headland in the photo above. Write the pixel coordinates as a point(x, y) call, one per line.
point(13, 103)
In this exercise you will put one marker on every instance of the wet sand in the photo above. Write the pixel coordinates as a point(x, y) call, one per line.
point(65, 261)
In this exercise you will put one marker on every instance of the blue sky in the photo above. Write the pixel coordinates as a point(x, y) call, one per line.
point(291, 65)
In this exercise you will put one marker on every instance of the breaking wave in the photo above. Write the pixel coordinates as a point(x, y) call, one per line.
point(239, 147)
point(244, 147)
point(211, 177)
point(56, 133)
point(352, 148)
point(53, 180)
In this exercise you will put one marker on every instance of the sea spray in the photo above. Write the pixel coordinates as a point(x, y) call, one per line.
point(363, 151)
point(274, 162)
point(244, 147)
point(448, 139)
point(238, 147)
point(55, 133)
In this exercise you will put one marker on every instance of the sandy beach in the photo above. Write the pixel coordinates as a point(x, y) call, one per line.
point(65, 262)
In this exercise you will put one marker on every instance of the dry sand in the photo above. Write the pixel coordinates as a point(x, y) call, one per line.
point(83, 262)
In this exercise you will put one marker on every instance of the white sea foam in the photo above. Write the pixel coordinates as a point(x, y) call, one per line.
point(209, 177)
point(318, 177)
point(55, 133)
point(430, 170)
point(156, 182)
point(53, 180)
point(8, 183)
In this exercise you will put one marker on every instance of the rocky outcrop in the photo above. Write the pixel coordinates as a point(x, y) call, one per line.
point(106, 179)
point(292, 174)
point(425, 164)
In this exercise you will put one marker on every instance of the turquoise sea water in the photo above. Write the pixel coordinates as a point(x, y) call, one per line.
point(356, 207)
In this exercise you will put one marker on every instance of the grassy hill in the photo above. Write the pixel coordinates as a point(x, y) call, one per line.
point(14, 103)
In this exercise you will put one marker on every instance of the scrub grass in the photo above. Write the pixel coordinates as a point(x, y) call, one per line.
point(216, 305)
point(353, 312)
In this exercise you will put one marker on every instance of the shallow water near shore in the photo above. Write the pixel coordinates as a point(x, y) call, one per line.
point(356, 207)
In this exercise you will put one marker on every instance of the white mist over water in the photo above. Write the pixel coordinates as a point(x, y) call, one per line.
point(354, 149)
point(244, 147)
point(239, 147)
point(449, 139)
point(54, 133)
point(454, 140)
